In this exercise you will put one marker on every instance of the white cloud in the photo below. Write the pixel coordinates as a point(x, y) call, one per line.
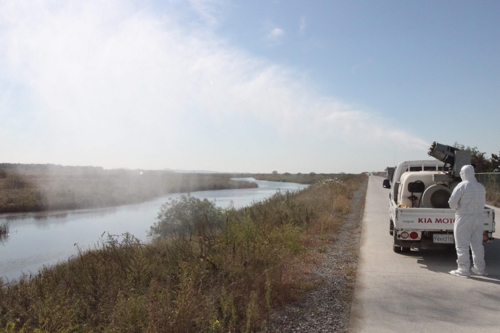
point(207, 9)
point(275, 34)
point(115, 86)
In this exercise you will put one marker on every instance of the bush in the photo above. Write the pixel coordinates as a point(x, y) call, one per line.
point(186, 215)
point(3, 173)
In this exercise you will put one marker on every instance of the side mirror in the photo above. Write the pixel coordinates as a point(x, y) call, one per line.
point(386, 184)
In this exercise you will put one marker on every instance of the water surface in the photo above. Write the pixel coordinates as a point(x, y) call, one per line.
point(38, 239)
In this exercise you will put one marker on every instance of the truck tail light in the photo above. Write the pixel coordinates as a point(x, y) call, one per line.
point(409, 235)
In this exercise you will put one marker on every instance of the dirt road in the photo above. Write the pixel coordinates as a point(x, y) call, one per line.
point(412, 292)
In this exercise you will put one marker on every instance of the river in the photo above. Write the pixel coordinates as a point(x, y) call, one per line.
point(41, 239)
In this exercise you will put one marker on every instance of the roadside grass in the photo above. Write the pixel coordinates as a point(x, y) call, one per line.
point(21, 192)
point(207, 279)
point(491, 181)
point(493, 195)
point(301, 178)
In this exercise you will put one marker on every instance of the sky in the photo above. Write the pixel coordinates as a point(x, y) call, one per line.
point(323, 86)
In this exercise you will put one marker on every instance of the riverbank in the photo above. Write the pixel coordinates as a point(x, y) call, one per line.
point(301, 178)
point(32, 190)
point(214, 280)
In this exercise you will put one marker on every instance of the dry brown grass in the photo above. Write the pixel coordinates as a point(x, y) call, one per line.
point(306, 178)
point(225, 280)
point(493, 195)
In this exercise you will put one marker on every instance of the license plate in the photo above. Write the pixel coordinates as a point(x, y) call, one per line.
point(443, 238)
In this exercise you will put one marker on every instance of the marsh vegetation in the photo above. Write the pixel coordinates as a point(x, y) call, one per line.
point(41, 188)
point(225, 270)
point(301, 178)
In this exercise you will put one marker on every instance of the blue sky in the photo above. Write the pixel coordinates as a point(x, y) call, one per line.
point(246, 86)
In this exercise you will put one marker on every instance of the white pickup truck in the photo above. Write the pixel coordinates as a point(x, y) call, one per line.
point(419, 213)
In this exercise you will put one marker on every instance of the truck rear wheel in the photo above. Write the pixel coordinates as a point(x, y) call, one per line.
point(396, 247)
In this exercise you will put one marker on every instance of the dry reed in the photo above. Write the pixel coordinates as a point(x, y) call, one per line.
point(214, 280)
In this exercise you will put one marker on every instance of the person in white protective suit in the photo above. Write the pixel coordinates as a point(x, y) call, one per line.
point(468, 199)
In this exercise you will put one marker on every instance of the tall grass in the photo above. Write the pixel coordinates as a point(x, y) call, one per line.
point(491, 182)
point(493, 195)
point(302, 178)
point(226, 279)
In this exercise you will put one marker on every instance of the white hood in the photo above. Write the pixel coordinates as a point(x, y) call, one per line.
point(467, 173)
point(469, 196)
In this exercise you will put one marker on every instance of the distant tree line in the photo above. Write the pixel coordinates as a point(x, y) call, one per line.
point(479, 159)
point(40, 169)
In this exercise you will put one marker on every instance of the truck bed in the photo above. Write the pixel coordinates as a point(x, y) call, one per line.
point(433, 219)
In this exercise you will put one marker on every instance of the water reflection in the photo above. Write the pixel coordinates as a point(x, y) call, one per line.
point(40, 216)
point(4, 232)
point(45, 238)
point(51, 216)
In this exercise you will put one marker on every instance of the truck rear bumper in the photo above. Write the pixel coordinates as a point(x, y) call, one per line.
point(424, 244)
point(427, 243)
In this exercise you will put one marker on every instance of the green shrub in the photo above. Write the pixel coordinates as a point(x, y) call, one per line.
point(185, 216)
